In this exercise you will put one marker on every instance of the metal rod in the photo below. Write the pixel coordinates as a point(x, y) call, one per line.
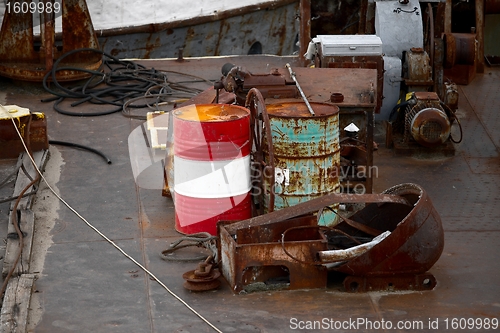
point(292, 74)
point(49, 35)
point(480, 36)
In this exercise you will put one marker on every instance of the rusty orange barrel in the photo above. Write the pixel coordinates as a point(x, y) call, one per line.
point(306, 153)
point(211, 166)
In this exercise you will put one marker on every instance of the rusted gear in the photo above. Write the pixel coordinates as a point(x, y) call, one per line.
point(261, 140)
point(203, 278)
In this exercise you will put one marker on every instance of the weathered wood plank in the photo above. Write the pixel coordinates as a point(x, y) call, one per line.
point(14, 314)
point(27, 226)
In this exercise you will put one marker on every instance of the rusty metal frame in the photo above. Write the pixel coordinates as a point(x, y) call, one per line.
point(256, 255)
point(19, 58)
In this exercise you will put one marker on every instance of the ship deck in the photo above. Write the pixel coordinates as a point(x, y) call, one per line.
point(83, 284)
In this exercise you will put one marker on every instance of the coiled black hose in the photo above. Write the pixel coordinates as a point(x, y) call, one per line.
point(115, 84)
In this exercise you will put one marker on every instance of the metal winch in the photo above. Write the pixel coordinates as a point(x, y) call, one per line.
point(425, 120)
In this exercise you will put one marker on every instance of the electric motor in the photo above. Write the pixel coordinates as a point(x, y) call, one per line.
point(426, 122)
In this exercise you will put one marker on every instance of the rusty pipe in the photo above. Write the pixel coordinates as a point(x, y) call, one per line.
point(431, 34)
point(48, 36)
point(305, 29)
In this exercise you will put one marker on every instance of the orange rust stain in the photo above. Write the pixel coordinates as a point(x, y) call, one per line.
point(210, 113)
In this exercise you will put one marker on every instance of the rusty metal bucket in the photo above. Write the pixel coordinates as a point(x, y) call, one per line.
point(402, 259)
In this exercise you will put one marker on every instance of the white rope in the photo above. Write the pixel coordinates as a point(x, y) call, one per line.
point(103, 235)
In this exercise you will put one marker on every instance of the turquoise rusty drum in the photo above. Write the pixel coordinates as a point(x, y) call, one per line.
point(306, 154)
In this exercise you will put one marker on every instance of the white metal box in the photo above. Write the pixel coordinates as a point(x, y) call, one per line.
point(350, 45)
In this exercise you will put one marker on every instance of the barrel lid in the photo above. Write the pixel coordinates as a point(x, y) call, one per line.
point(298, 109)
point(211, 112)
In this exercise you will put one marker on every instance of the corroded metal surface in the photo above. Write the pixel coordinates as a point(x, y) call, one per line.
point(419, 282)
point(479, 29)
point(313, 206)
point(356, 61)
point(306, 153)
point(358, 86)
point(239, 81)
point(203, 278)
point(257, 256)
point(423, 124)
point(419, 71)
point(460, 48)
point(461, 57)
point(33, 128)
point(272, 25)
point(305, 29)
point(413, 247)
point(427, 122)
point(416, 240)
point(18, 52)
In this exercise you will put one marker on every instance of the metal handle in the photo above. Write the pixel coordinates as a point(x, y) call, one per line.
point(292, 74)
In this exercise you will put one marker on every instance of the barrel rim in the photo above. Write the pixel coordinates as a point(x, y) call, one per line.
point(247, 115)
point(336, 112)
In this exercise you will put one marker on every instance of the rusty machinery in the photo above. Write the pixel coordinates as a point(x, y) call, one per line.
point(26, 55)
point(238, 80)
point(388, 245)
point(357, 102)
point(287, 248)
point(420, 54)
point(424, 120)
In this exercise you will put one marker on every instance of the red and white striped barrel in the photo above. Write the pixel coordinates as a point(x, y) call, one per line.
point(211, 166)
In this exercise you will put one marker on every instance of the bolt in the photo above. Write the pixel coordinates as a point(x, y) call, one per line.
point(180, 56)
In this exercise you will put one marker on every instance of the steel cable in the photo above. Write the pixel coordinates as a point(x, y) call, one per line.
point(201, 239)
point(106, 238)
